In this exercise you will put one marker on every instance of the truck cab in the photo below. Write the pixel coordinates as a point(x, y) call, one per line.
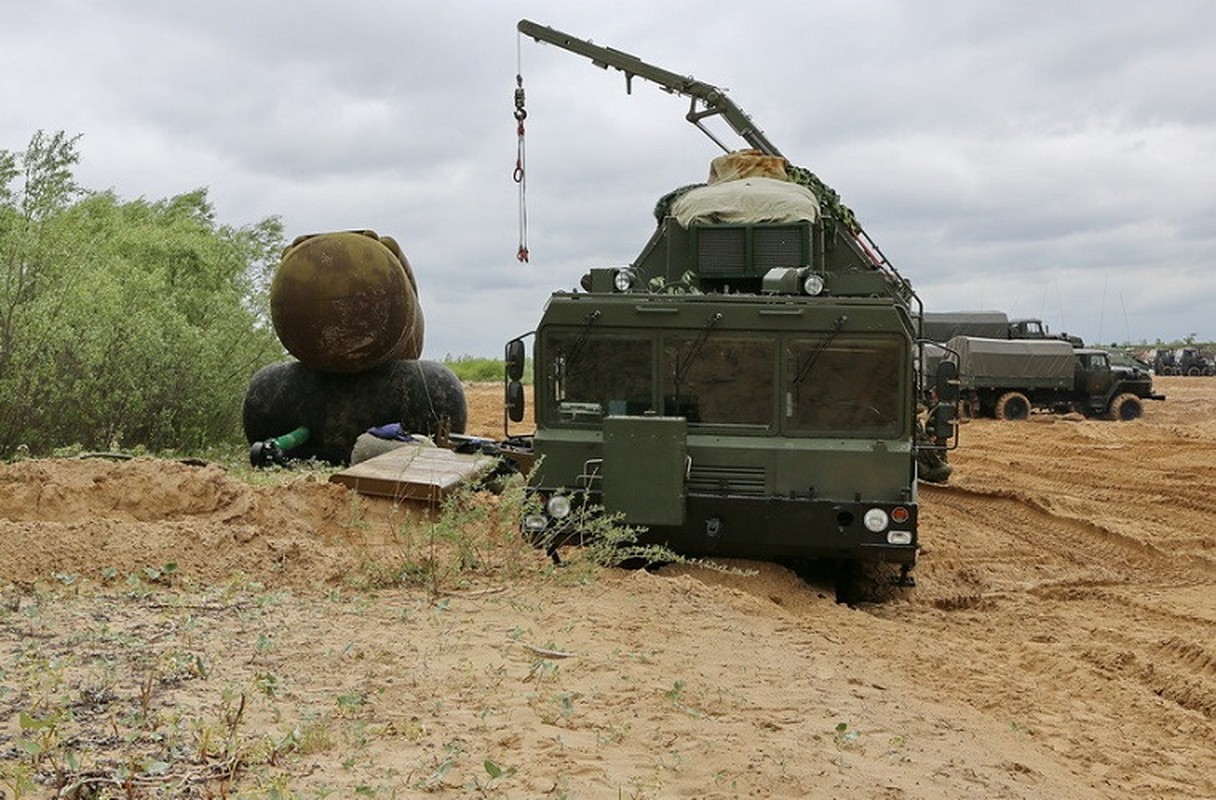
point(741, 389)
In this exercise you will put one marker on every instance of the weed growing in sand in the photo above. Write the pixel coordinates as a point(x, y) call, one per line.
point(352, 702)
point(94, 714)
point(844, 736)
point(678, 695)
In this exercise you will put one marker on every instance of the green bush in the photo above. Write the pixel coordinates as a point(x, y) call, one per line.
point(129, 323)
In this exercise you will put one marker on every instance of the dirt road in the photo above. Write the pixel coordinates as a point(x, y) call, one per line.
point(173, 631)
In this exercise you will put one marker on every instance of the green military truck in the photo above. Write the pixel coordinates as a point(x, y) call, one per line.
point(1183, 361)
point(941, 326)
point(748, 385)
point(1010, 378)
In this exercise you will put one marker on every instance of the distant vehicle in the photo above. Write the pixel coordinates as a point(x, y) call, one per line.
point(941, 326)
point(1183, 361)
point(1009, 378)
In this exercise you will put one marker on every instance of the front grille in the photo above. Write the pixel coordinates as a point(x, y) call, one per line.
point(721, 251)
point(714, 479)
point(776, 247)
point(730, 252)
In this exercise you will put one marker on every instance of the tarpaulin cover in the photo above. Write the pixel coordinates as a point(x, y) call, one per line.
point(940, 326)
point(746, 201)
point(1039, 363)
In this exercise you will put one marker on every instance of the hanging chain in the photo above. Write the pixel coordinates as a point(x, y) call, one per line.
point(520, 176)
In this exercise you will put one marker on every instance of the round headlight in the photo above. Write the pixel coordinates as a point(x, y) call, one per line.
point(875, 520)
point(558, 506)
point(623, 280)
point(812, 284)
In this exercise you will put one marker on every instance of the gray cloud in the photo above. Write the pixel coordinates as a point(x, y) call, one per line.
point(1045, 159)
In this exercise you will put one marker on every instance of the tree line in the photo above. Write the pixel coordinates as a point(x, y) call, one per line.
point(128, 323)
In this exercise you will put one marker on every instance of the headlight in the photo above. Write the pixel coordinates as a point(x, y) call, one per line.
point(558, 506)
point(812, 284)
point(876, 520)
point(899, 537)
point(623, 280)
point(536, 522)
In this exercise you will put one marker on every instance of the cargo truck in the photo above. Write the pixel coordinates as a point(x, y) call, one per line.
point(1011, 378)
point(941, 326)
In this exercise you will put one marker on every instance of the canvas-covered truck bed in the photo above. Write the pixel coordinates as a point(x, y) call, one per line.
point(941, 326)
point(1022, 363)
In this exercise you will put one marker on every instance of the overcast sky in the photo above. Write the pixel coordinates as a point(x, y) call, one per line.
point(1047, 159)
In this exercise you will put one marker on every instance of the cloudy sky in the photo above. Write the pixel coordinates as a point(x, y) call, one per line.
point(1047, 159)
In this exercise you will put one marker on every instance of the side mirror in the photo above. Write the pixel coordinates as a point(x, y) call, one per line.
point(515, 401)
point(941, 422)
point(945, 411)
point(515, 356)
point(945, 382)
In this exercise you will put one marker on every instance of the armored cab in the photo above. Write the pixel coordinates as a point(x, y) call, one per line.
point(746, 387)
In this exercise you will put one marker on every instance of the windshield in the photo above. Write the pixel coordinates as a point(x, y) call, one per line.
point(843, 386)
point(719, 379)
point(590, 375)
point(760, 383)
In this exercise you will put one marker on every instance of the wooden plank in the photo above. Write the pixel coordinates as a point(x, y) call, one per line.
point(413, 472)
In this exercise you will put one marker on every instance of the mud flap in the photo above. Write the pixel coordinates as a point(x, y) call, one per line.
point(645, 463)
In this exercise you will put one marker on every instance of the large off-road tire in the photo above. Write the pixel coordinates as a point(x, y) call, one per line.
point(424, 396)
point(1126, 407)
point(1012, 406)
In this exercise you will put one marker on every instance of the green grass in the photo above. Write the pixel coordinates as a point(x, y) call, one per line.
point(476, 369)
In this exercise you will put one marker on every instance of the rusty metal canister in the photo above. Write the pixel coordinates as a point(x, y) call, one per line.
point(346, 302)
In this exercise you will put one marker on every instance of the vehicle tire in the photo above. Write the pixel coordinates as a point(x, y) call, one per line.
point(1194, 372)
point(1126, 407)
point(423, 396)
point(1012, 406)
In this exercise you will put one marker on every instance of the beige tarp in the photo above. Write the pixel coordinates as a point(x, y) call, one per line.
point(744, 201)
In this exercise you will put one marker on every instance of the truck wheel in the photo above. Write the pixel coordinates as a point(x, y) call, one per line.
point(1126, 407)
point(1012, 406)
point(1194, 371)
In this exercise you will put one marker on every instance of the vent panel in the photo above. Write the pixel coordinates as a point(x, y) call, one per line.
point(776, 247)
point(721, 251)
point(714, 479)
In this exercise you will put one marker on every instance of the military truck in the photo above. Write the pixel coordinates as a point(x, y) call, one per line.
point(747, 385)
point(1010, 378)
point(941, 326)
point(1183, 361)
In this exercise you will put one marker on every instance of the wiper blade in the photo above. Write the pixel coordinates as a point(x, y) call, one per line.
point(804, 369)
point(684, 365)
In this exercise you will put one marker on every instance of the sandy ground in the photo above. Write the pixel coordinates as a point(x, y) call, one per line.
point(169, 630)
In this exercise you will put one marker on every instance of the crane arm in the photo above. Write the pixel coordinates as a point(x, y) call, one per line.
point(713, 100)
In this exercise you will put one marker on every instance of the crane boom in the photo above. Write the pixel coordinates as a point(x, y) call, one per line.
point(713, 100)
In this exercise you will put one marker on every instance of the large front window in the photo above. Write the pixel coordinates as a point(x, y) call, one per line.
point(801, 385)
point(841, 386)
point(717, 379)
point(592, 374)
